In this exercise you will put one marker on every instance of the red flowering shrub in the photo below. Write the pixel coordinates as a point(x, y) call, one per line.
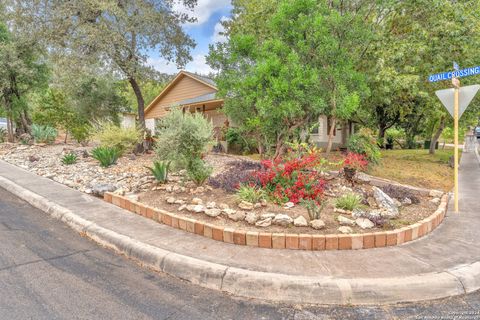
point(355, 161)
point(292, 180)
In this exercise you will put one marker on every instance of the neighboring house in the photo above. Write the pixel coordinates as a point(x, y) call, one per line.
point(194, 93)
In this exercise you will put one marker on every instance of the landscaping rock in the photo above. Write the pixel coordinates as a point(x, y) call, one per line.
point(251, 217)
point(436, 193)
point(245, 205)
point(263, 202)
point(179, 201)
point(213, 212)
point(211, 205)
point(371, 202)
point(223, 206)
point(364, 223)
point(100, 189)
point(342, 211)
point(197, 201)
point(264, 223)
point(182, 207)
point(170, 200)
point(282, 220)
point(358, 213)
point(317, 224)
point(197, 208)
point(237, 216)
point(289, 205)
point(257, 205)
point(384, 201)
point(397, 203)
point(267, 215)
point(345, 230)
point(362, 177)
point(435, 201)
point(344, 221)
point(228, 211)
point(300, 222)
point(407, 201)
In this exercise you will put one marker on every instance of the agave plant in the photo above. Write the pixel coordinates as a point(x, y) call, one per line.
point(43, 134)
point(106, 155)
point(69, 158)
point(160, 170)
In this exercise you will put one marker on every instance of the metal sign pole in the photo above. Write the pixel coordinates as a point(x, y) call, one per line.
point(455, 117)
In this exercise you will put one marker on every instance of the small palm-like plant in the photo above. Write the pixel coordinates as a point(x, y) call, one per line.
point(106, 155)
point(69, 158)
point(160, 170)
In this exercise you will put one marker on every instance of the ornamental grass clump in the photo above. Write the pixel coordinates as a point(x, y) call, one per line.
point(107, 156)
point(250, 193)
point(348, 202)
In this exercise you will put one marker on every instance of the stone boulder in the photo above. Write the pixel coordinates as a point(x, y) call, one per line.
point(264, 222)
point(344, 221)
point(282, 220)
point(317, 224)
point(245, 205)
point(300, 222)
point(100, 189)
point(385, 202)
point(251, 217)
point(213, 212)
point(237, 216)
point(364, 223)
point(345, 230)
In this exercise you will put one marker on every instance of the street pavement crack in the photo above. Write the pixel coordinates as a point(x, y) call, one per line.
point(44, 260)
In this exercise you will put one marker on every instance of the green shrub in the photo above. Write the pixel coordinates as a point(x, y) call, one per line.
point(366, 144)
point(113, 136)
point(183, 138)
point(3, 135)
point(314, 209)
point(348, 202)
point(81, 133)
point(160, 170)
point(106, 155)
point(43, 134)
point(240, 141)
point(69, 158)
point(250, 194)
point(198, 171)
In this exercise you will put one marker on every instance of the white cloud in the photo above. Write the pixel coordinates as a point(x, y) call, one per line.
point(198, 65)
point(203, 10)
point(217, 37)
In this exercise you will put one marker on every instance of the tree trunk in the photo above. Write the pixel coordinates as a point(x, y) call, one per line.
point(9, 129)
point(140, 147)
point(330, 135)
point(381, 135)
point(140, 101)
point(437, 134)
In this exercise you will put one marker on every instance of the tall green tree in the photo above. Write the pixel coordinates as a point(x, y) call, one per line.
point(22, 71)
point(121, 34)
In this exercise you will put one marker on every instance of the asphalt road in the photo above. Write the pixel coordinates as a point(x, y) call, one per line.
point(47, 271)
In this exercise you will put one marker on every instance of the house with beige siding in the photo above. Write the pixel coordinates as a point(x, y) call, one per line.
point(194, 93)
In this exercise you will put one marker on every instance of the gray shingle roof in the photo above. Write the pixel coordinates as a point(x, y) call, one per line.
point(202, 78)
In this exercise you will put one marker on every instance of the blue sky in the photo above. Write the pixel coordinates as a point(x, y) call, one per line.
point(209, 13)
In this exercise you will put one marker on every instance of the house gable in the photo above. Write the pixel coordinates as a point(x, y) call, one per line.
point(183, 87)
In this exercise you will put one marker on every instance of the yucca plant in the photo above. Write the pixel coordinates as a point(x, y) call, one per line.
point(106, 155)
point(160, 170)
point(69, 158)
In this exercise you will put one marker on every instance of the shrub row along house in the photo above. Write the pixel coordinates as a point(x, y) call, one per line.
point(194, 93)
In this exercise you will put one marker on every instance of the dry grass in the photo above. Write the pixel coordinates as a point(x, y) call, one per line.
point(417, 168)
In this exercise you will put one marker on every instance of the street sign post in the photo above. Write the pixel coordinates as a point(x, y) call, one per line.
point(456, 100)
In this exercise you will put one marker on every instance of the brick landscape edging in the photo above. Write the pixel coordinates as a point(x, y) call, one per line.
point(286, 240)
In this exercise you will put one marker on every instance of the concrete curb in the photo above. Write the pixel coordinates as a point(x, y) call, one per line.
point(263, 285)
